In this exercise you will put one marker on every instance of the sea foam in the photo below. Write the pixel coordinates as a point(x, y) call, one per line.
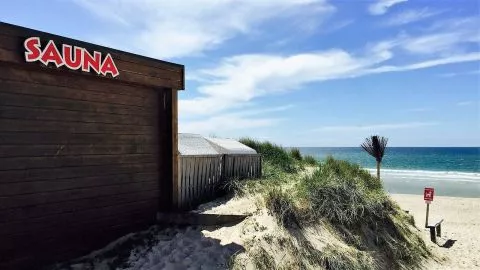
point(454, 176)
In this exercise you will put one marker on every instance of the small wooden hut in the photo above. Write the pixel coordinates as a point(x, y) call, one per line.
point(206, 164)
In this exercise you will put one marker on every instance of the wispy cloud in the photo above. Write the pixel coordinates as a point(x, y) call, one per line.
point(234, 121)
point(420, 110)
point(447, 42)
point(169, 29)
point(444, 37)
point(242, 78)
point(238, 80)
point(462, 58)
point(226, 123)
point(410, 16)
point(377, 127)
point(333, 27)
point(380, 7)
point(465, 103)
point(454, 74)
point(267, 110)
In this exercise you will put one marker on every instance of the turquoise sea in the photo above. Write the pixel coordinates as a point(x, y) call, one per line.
point(452, 171)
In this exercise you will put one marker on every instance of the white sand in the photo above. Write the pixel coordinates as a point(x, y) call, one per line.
point(206, 248)
point(461, 223)
point(190, 247)
point(183, 249)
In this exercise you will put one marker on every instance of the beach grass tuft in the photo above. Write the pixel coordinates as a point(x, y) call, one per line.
point(280, 205)
point(295, 154)
point(272, 153)
point(310, 160)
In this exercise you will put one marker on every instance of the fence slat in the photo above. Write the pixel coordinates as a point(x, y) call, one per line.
point(200, 177)
point(180, 183)
point(184, 176)
point(196, 179)
point(207, 177)
point(203, 171)
point(191, 181)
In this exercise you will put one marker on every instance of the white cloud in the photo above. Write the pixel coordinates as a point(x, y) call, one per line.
point(381, 6)
point(234, 121)
point(469, 57)
point(447, 42)
point(225, 123)
point(443, 38)
point(240, 79)
point(410, 16)
point(169, 29)
point(337, 26)
point(420, 110)
point(377, 127)
point(267, 110)
point(456, 23)
point(454, 74)
point(465, 103)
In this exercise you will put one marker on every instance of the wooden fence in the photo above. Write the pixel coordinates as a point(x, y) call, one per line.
point(201, 177)
point(242, 166)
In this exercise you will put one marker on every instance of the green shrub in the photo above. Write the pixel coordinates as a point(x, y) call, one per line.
point(350, 172)
point(341, 193)
point(272, 153)
point(295, 154)
point(310, 160)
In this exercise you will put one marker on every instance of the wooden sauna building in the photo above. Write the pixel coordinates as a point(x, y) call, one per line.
point(88, 145)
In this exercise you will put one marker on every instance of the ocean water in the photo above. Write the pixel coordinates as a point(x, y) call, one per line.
point(452, 171)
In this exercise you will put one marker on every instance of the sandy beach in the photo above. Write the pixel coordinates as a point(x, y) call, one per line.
point(461, 224)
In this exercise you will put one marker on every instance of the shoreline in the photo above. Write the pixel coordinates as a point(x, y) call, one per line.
point(462, 185)
point(423, 171)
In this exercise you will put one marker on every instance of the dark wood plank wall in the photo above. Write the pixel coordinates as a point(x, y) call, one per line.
point(83, 159)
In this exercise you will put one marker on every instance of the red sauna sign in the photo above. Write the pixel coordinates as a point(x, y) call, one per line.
point(428, 194)
point(72, 57)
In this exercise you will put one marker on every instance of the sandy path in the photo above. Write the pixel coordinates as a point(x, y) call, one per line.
point(462, 223)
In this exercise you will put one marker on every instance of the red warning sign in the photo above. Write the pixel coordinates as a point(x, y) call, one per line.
point(428, 194)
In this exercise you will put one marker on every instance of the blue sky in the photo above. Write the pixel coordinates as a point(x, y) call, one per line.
point(298, 72)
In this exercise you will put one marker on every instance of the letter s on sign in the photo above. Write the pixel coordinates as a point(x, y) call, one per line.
point(33, 52)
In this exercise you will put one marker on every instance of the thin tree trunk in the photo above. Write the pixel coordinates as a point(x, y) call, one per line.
point(378, 170)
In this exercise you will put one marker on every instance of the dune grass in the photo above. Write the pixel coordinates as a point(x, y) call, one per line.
point(273, 154)
point(310, 160)
point(295, 154)
point(376, 231)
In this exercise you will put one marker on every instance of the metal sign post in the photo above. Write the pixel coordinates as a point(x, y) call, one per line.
point(428, 197)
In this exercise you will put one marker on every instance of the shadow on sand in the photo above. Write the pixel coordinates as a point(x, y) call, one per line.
point(173, 247)
point(448, 244)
